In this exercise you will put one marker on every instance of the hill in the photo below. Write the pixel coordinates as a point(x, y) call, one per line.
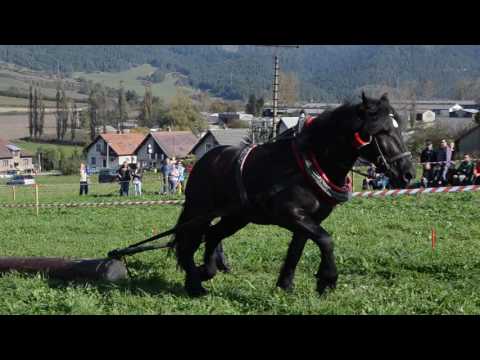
point(326, 73)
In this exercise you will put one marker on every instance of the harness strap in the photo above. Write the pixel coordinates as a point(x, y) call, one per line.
point(324, 187)
point(242, 158)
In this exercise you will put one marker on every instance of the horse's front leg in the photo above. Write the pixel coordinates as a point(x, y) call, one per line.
point(295, 250)
point(327, 272)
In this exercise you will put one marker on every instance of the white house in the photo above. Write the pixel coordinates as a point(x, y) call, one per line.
point(112, 150)
point(12, 158)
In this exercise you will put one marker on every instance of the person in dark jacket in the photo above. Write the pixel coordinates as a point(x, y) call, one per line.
point(165, 169)
point(426, 158)
point(441, 168)
point(124, 176)
point(464, 174)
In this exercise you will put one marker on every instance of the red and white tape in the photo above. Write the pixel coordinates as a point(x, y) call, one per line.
point(396, 192)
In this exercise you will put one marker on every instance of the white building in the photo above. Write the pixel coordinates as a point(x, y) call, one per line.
point(112, 150)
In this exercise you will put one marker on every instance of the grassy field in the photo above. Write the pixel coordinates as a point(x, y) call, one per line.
point(166, 89)
point(383, 252)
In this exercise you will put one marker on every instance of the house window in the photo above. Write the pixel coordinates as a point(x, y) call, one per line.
point(208, 146)
point(99, 147)
point(104, 163)
point(25, 162)
point(93, 161)
point(5, 163)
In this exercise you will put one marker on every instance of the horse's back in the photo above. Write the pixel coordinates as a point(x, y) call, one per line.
point(212, 180)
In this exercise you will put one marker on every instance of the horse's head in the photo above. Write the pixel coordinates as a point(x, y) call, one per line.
point(384, 146)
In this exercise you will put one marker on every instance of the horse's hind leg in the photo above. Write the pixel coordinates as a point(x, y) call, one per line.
point(295, 250)
point(222, 263)
point(185, 252)
point(215, 234)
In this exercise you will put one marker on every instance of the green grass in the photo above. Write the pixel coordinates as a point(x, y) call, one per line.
point(166, 89)
point(384, 258)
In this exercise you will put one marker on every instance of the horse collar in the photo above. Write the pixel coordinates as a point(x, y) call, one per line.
point(311, 170)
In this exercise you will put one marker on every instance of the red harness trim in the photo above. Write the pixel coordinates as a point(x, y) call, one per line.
point(309, 120)
point(358, 142)
point(347, 187)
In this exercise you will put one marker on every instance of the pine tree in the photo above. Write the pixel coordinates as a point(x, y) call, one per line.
point(251, 107)
point(36, 113)
point(41, 117)
point(73, 122)
point(92, 111)
point(30, 111)
point(58, 106)
point(122, 108)
point(146, 114)
point(64, 115)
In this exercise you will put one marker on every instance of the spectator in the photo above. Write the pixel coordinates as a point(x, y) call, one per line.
point(440, 169)
point(173, 178)
point(368, 181)
point(83, 179)
point(476, 174)
point(376, 180)
point(165, 170)
point(426, 158)
point(464, 174)
point(137, 180)
point(124, 177)
point(181, 177)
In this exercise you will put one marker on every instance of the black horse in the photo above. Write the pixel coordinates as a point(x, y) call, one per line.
point(294, 182)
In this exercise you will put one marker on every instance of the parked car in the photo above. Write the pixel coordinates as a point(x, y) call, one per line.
point(107, 176)
point(22, 180)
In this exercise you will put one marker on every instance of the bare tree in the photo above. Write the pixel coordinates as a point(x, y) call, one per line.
point(289, 89)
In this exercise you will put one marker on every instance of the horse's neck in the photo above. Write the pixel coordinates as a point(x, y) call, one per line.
point(337, 162)
point(337, 169)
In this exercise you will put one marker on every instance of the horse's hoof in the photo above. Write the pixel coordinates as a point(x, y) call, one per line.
point(324, 285)
point(224, 268)
point(204, 274)
point(196, 292)
point(285, 284)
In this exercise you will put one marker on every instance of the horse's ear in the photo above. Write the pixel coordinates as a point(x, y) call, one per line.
point(364, 99)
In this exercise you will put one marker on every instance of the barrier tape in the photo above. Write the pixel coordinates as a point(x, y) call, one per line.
point(99, 204)
point(396, 192)
point(364, 194)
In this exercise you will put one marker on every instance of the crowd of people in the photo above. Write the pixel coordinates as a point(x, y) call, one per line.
point(173, 175)
point(439, 167)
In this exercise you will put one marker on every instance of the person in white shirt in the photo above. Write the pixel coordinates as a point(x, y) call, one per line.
point(83, 180)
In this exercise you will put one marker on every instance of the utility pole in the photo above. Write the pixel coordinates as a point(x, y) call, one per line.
point(276, 83)
point(275, 97)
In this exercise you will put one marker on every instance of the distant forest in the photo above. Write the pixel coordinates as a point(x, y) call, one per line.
point(325, 73)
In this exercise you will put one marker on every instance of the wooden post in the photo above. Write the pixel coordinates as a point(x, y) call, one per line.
point(353, 183)
point(36, 198)
point(13, 189)
point(67, 269)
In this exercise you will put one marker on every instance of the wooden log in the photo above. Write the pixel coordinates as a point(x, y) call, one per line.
point(67, 269)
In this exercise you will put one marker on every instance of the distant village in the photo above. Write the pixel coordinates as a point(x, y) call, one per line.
point(110, 148)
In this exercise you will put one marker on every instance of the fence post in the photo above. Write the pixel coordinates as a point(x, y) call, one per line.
point(13, 189)
point(36, 197)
